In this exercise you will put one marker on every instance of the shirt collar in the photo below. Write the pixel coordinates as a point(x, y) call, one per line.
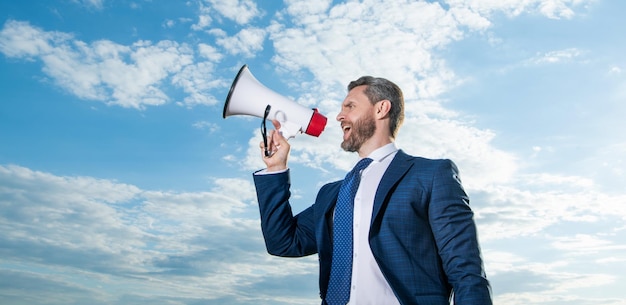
point(382, 152)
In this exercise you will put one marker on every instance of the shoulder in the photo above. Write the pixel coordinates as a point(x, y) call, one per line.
point(331, 186)
point(427, 168)
point(401, 156)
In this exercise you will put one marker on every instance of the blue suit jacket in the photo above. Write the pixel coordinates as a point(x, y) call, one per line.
point(422, 233)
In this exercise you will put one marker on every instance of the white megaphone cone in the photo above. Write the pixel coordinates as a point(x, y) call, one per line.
point(247, 96)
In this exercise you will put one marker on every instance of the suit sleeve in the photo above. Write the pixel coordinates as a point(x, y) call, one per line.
point(285, 234)
point(453, 226)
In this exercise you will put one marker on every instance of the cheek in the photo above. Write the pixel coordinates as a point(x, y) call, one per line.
point(353, 117)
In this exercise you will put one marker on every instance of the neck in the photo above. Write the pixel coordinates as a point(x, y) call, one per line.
point(373, 144)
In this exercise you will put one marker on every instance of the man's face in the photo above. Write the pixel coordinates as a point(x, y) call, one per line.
point(357, 120)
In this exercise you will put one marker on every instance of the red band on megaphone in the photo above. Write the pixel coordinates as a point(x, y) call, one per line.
point(317, 124)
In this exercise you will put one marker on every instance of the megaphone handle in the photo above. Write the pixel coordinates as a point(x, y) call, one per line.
point(264, 130)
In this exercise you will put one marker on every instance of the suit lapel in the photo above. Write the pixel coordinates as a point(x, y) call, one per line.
point(328, 200)
point(330, 197)
point(400, 164)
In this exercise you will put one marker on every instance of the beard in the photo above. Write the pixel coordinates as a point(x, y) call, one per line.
point(361, 131)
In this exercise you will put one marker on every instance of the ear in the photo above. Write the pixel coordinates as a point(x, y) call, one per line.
point(382, 108)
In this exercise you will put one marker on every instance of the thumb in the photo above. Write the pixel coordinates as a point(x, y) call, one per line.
point(278, 139)
point(276, 124)
point(277, 136)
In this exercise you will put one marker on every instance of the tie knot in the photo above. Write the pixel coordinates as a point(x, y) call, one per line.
point(363, 163)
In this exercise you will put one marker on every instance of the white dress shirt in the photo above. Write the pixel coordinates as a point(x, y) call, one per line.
point(369, 286)
point(368, 283)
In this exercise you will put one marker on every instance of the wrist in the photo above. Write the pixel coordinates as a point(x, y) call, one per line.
point(276, 168)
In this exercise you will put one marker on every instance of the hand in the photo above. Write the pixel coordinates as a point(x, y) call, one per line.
point(279, 150)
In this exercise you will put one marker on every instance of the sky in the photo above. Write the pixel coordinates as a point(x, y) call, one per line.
point(121, 182)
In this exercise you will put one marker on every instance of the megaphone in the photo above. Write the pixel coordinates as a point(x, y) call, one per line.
point(247, 96)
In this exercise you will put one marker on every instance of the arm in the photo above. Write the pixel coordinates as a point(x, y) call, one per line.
point(455, 232)
point(285, 234)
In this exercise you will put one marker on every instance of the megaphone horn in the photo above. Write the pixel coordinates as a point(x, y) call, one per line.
point(247, 96)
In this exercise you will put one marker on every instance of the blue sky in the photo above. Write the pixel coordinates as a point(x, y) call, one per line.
point(120, 182)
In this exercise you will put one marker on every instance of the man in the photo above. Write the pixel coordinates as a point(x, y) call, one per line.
point(410, 232)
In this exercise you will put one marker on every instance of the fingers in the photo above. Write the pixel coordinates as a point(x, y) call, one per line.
point(276, 154)
point(276, 124)
point(274, 141)
point(277, 138)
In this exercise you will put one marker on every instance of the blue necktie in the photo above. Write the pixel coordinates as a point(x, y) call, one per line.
point(341, 267)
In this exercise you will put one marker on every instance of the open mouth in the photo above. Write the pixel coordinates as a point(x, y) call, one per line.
point(346, 130)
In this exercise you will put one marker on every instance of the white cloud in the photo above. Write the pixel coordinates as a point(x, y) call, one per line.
point(606, 164)
point(501, 262)
point(204, 17)
point(304, 8)
point(508, 207)
point(197, 81)
point(240, 11)
point(128, 76)
point(169, 23)
point(553, 57)
point(204, 21)
point(511, 212)
point(209, 52)
point(246, 43)
point(350, 35)
point(543, 180)
point(473, 20)
point(585, 243)
point(242, 188)
point(615, 70)
point(372, 37)
point(555, 9)
point(400, 41)
point(98, 4)
point(90, 225)
point(467, 146)
point(138, 244)
point(205, 125)
point(76, 216)
point(534, 273)
point(20, 39)
point(375, 37)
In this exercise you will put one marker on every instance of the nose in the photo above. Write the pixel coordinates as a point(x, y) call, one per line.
point(340, 116)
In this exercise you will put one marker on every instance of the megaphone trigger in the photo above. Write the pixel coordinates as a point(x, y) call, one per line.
point(289, 130)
